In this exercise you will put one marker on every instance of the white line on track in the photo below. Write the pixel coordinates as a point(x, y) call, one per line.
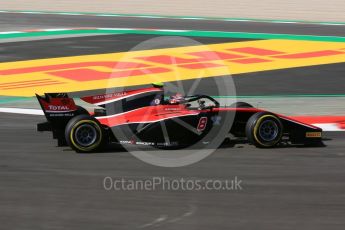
point(329, 127)
point(30, 12)
point(22, 111)
point(12, 32)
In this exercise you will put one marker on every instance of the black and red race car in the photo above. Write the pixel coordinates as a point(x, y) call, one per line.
point(146, 117)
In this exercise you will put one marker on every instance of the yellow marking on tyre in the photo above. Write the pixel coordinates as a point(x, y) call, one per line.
point(93, 146)
point(257, 124)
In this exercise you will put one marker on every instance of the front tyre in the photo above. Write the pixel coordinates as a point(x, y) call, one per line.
point(84, 134)
point(264, 130)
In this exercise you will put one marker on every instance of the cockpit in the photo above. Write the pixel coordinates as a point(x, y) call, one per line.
point(198, 102)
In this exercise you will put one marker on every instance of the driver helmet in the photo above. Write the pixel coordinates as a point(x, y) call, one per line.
point(176, 99)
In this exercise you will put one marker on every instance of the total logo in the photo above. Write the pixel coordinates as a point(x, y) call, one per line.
point(58, 107)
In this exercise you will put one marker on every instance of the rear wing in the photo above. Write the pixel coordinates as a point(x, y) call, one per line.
point(58, 108)
point(57, 105)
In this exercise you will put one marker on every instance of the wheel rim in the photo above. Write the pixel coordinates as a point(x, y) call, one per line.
point(268, 130)
point(85, 135)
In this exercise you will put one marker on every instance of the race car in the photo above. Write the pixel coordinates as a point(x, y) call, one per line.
point(145, 116)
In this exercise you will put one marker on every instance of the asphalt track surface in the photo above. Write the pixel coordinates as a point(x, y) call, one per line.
point(64, 47)
point(12, 21)
point(45, 187)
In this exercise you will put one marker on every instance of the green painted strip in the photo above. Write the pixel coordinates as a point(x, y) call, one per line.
point(51, 33)
point(195, 33)
point(174, 17)
point(7, 100)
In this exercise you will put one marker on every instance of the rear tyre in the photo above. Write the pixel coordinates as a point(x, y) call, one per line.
point(264, 130)
point(241, 104)
point(84, 134)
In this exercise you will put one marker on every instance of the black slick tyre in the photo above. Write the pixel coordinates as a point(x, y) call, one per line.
point(84, 134)
point(264, 130)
